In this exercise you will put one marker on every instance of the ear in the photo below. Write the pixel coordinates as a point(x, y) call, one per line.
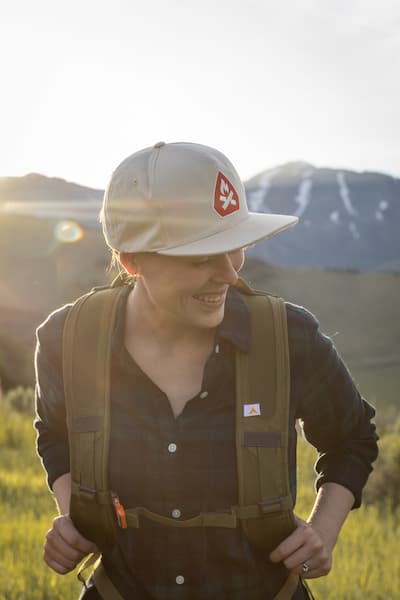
point(127, 260)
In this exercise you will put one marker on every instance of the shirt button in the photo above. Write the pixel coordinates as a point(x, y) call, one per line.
point(180, 579)
point(172, 448)
point(176, 513)
point(203, 395)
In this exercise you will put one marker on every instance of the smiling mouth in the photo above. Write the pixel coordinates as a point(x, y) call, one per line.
point(210, 299)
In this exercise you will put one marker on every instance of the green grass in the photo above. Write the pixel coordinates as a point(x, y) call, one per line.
point(26, 512)
point(366, 563)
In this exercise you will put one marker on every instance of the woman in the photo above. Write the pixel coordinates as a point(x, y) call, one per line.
point(175, 216)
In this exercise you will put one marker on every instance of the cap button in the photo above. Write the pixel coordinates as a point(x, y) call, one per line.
point(159, 145)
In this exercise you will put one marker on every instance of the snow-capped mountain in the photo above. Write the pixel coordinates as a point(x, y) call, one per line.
point(348, 220)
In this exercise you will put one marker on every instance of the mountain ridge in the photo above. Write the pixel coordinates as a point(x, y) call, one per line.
point(347, 219)
point(28, 187)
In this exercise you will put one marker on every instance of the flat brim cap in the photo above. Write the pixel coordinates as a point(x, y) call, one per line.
point(182, 199)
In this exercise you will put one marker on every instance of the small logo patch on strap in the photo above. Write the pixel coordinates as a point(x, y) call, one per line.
point(251, 410)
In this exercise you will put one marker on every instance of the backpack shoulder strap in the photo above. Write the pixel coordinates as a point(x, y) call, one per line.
point(86, 368)
point(262, 423)
point(262, 428)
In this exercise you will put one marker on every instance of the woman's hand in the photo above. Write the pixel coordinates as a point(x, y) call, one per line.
point(304, 552)
point(308, 550)
point(65, 547)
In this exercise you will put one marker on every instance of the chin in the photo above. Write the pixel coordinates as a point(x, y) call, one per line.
point(210, 321)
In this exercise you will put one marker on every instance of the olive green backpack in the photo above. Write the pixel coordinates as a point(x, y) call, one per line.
point(264, 508)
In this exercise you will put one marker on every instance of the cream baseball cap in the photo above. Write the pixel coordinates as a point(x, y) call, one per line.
point(181, 199)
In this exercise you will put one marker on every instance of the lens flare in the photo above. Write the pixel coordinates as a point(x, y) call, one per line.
point(68, 232)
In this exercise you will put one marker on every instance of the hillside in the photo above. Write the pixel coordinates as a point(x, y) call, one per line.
point(39, 272)
point(359, 310)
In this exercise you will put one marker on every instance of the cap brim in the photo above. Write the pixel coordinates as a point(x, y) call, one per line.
point(256, 227)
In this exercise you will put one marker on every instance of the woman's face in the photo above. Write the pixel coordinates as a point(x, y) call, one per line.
point(187, 291)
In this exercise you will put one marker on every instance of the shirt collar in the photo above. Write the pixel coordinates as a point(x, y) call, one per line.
point(235, 326)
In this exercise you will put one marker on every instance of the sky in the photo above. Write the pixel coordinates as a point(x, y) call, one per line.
point(85, 83)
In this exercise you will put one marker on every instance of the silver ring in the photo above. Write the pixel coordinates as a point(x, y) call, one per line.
point(305, 567)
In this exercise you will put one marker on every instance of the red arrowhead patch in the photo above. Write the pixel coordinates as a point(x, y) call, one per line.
point(226, 198)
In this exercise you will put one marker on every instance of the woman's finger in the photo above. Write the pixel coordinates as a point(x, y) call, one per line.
point(58, 567)
point(56, 546)
point(64, 526)
point(52, 556)
point(303, 552)
point(310, 546)
point(307, 570)
point(291, 544)
point(65, 547)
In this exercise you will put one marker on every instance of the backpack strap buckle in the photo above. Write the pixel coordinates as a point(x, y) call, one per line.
point(88, 493)
point(276, 505)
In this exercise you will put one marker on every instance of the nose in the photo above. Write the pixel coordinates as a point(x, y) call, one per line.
point(227, 266)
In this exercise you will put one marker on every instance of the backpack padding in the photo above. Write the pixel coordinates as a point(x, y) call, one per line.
point(263, 378)
point(86, 364)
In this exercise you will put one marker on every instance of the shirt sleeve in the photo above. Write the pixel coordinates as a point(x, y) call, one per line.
point(50, 419)
point(334, 416)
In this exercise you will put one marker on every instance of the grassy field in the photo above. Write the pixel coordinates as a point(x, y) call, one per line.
point(366, 558)
point(366, 562)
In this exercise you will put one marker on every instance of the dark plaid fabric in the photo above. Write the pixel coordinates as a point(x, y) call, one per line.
point(180, 467)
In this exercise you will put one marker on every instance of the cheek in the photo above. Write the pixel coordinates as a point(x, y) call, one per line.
point(238, 260)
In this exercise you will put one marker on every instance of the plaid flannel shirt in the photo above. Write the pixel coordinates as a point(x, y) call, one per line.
point(180, 467)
